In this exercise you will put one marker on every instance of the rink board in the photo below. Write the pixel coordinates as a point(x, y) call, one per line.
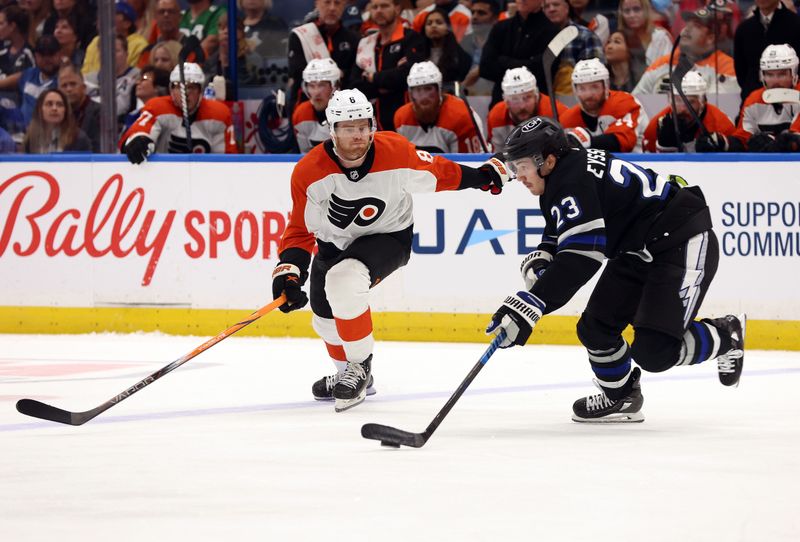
point(187, 246)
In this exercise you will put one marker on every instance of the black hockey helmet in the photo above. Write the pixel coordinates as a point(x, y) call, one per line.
point(536, 138)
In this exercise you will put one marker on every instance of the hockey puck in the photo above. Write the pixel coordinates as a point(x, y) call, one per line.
point(389, 444)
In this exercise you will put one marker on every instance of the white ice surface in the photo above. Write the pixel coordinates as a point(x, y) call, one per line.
point(231, 446)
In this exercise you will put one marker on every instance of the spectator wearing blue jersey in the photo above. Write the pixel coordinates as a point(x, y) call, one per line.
point(41, 77)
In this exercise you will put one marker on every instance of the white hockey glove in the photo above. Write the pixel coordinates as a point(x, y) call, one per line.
point(498, 172)
point(518, 315)
point(533, 267)
point(579, 136)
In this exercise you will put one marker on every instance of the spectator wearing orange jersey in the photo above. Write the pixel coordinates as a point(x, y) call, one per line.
point(660, 134)
point(697, 43)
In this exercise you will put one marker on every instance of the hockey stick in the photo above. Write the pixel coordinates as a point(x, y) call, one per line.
point(478, 131)
point(191, 45)
point(676, 79)
point(37, 409)
point(781, 96)
point(554, 49)
point(390, 436)
point(672, 94)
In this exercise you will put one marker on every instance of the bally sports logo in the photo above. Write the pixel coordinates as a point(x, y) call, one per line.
point(361, 212)
point(115, 223)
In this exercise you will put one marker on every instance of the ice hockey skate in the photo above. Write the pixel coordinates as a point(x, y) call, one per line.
point(351, 389)
point(730, 364)
point(323, 388)
point(601, 409)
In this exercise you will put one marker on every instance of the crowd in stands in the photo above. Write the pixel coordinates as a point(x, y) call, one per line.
point(423, 64)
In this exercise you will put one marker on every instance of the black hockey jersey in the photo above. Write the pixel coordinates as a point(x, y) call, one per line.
point(598, 206)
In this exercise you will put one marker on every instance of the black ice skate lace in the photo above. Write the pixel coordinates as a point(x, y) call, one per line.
point(353, 373)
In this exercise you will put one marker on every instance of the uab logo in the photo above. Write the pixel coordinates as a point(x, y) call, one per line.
point(361, 212)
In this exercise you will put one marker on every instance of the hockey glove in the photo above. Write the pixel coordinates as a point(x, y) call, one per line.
point(789, 142)
point(286, 280)
point(579, 137)
point(498, 173)
point(533, 267)
point(714, 142)
point(762, 142)
point(518, 315)
point(139, 148)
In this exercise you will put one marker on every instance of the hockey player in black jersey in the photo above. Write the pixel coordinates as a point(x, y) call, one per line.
point(662, 255)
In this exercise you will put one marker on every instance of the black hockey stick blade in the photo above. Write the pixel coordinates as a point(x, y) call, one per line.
point(782, 96)
point(192, 45)
point(37, 409)
point(391, 436)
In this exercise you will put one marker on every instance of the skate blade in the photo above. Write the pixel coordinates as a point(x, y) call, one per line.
point(370, 391)
point(636, 417)
point(347, 404)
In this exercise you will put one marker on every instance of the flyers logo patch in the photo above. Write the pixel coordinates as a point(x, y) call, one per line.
point(362, 212)
point(180, 145)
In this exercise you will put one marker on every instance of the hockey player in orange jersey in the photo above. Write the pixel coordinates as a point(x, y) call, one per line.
point(764, 127)
point(521, 101)
point(660, 136)
point(160, 126)
point(603, 118)
point(351, 197)
point(435, 121)
point(321, 78)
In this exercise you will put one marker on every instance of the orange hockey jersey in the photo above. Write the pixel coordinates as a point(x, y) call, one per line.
point(454, 131)
point(715, 120)
point(161, 121)
point(308, 128)
point(621, 116)
point(758, 116)
point(337, 206)
point(500, 123)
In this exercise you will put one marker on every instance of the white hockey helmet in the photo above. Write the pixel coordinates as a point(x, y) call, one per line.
point(322, 69)
point(424, 73)
point(779, 57)
point(349, 104)
point(192, 73)
point(693, 84)
point(589, 71)
point(519, 81)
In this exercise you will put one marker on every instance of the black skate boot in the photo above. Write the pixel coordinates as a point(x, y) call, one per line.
point(351, 390)
point(323, 388)
point(729, 364)
point(601, 409)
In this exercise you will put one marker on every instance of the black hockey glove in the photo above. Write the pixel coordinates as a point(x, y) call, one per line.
point(498, 173)
point(518, 315)
point(533, 267)
point(789, 142)
point(714, 142)
point(579, 137)
point(762, 142)
point(286, 280)
point(665, 132)
point(139, 148)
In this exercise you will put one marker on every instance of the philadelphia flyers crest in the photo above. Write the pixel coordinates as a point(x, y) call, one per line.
point(361, 212)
